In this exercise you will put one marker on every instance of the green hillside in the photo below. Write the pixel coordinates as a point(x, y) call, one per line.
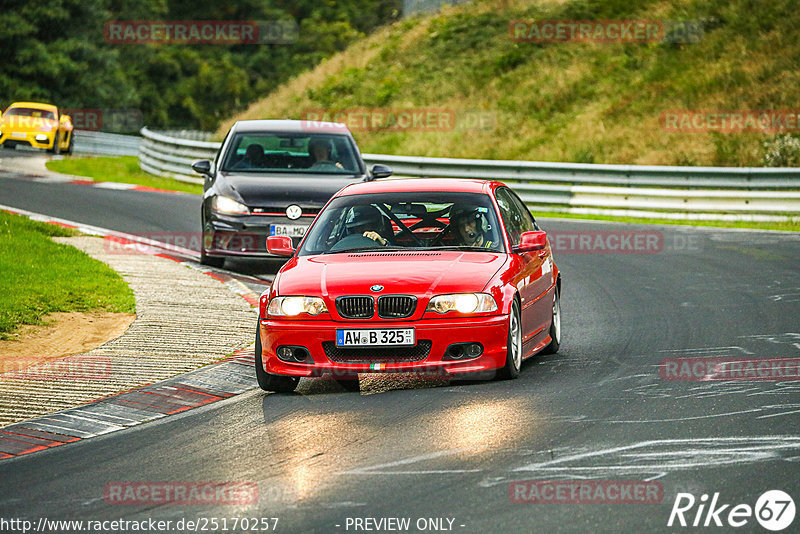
point(588, 102)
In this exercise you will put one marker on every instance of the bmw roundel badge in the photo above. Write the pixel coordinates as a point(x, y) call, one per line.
point(376, 288)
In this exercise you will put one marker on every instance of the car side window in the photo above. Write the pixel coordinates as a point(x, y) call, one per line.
point(528, 223)
point(516, 217)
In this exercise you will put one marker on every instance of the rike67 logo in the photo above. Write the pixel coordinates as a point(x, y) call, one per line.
point(774, 510)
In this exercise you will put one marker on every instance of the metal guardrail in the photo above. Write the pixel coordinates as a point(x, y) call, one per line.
point(92, 142)
point(172, 157)
point(194, 135)
point(752, 193)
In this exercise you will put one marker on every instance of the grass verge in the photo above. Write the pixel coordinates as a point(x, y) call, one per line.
point(121, 169)
point(41, 276)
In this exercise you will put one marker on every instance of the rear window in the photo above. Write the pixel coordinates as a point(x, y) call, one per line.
point(260, 152)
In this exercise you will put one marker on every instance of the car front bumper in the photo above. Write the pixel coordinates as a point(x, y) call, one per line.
point(244, 237)
point(491, 332)
point(28, 138)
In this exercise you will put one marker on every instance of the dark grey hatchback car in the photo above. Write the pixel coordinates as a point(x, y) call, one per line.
point(272, 177)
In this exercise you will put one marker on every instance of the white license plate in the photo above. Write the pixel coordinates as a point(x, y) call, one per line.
point(375, 337)
point(18, 135)
point(291, 230)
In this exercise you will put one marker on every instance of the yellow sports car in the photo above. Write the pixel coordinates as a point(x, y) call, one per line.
point(36, 125)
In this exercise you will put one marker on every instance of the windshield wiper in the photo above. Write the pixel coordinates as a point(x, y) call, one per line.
point(464, 247)
point(365, 249)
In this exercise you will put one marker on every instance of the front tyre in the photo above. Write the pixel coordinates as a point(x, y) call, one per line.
point(70, 146)
point(270, 382)
point(205, 259)
point(514, 352)
point(555, 325)
point(210, 260)
point(56, 145)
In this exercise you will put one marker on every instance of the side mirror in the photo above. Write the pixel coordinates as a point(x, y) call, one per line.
point(202, 167)
point(530, 241)
point(380, 171)
point(280, 245)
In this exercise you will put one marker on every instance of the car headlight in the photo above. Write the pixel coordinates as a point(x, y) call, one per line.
point(291, 306)
point(228, 205)
point(463, 303)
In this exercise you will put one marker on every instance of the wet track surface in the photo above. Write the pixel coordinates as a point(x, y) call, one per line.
point(600, 409)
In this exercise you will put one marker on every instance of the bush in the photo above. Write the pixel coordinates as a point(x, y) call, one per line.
point(782, 151)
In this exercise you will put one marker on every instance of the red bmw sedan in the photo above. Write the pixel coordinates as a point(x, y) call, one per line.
point(432, 276)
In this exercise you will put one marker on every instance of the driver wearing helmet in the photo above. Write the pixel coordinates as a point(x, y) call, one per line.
point(470, 225)
point(369, 222)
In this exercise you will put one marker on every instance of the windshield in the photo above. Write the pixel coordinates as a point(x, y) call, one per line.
point(405, 220)
point(30, 112)
point(292, 152)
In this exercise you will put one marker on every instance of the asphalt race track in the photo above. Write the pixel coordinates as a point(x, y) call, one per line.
point(446, 456)
point(124, 211)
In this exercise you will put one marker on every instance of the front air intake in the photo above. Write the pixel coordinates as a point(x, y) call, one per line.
point(356, 307)
point(396, 306)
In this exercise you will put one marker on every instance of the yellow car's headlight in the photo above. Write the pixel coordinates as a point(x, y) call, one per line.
point(293, 306)
point(463, 303)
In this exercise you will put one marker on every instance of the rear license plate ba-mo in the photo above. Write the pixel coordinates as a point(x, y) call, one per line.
point(375, 337)
point(291, 230)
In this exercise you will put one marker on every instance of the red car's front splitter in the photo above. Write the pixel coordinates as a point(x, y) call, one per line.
point(491, 332)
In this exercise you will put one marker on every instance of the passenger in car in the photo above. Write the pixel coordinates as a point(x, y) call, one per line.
point(253, 158)
point(469, 226)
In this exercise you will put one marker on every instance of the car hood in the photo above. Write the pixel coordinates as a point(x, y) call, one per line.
point(17, 123)
point(284, 189)
point(408, 273)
